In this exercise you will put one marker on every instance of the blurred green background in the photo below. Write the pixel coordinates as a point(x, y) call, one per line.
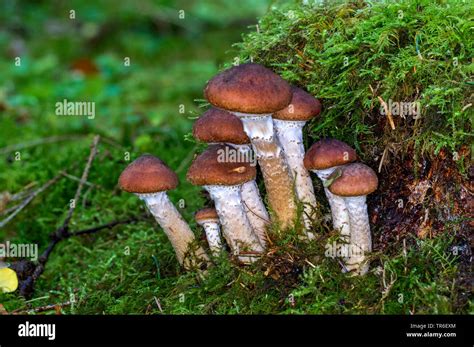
point(173, 47)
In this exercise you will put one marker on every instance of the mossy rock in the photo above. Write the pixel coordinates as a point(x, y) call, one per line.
point(414, 56)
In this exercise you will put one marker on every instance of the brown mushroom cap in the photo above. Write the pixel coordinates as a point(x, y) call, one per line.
point(357, 179)
point(210, 168)
point(147, 174)
point(217, 125)
point(208, 213)
point(248, 88)
point(328, 153)
point(303, 107)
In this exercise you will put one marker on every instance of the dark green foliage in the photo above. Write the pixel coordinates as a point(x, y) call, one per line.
point(349, 53)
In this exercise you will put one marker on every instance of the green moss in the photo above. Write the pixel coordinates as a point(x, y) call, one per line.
point(350, 53)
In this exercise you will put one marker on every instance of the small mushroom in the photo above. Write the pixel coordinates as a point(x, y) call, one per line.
point(149, 178)
point(324, 158)
point(209, 220)
point(355, 183)
point(289, 123)
point(219, 126)
point(223, 181)
point(253, 92)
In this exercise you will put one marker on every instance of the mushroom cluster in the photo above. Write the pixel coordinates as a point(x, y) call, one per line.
point(346, 185)
point(219, 126)
point(255, 114)
point(223, 180)
point(355, 183)
point(253, 93)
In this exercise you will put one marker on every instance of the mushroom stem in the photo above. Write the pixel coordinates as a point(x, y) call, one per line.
point(339, 212)
point(235, 224)
point(276, 174)
point(290, 135)
point(255, 210)
point(253, 204)
point(177, 230)
point(361, 240)
point(213, 236)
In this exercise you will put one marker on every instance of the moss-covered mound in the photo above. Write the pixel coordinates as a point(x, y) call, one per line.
point(395, 80)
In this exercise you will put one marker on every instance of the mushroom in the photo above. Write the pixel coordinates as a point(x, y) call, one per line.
point(223, 180)
point(289, 123)
point(355, 183)
point(209, 220)
point(324, 158)
point(221, 126)
point(149, 178)
point(253, 92)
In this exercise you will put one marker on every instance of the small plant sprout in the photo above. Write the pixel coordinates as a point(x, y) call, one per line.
point(223, 181)
point(325, 158)
point(253, 92)
point(289, 124)
point(149, 178)
point(219, 126)
point(355, 183)
point(209, 220)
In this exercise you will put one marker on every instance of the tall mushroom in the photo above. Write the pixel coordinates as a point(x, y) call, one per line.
point(209, 220)
point(324, 158)
point(355, 183)
point(149, 178)
point(253, 92)
point(223, 180)
point(216, 126)
point(289, 124)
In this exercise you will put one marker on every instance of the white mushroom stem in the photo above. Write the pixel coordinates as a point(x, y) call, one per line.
point(339, 212)
point(255, 210)
point(290, 135)
point(253, 204)
point(361, 239)
point(213, 235)
point(235, 224)
point(177, 230)
point(276, 174)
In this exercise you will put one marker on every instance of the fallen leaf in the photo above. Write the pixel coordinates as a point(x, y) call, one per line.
point(8, 280)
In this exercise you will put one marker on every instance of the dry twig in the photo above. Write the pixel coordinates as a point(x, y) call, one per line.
point(27, 286)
